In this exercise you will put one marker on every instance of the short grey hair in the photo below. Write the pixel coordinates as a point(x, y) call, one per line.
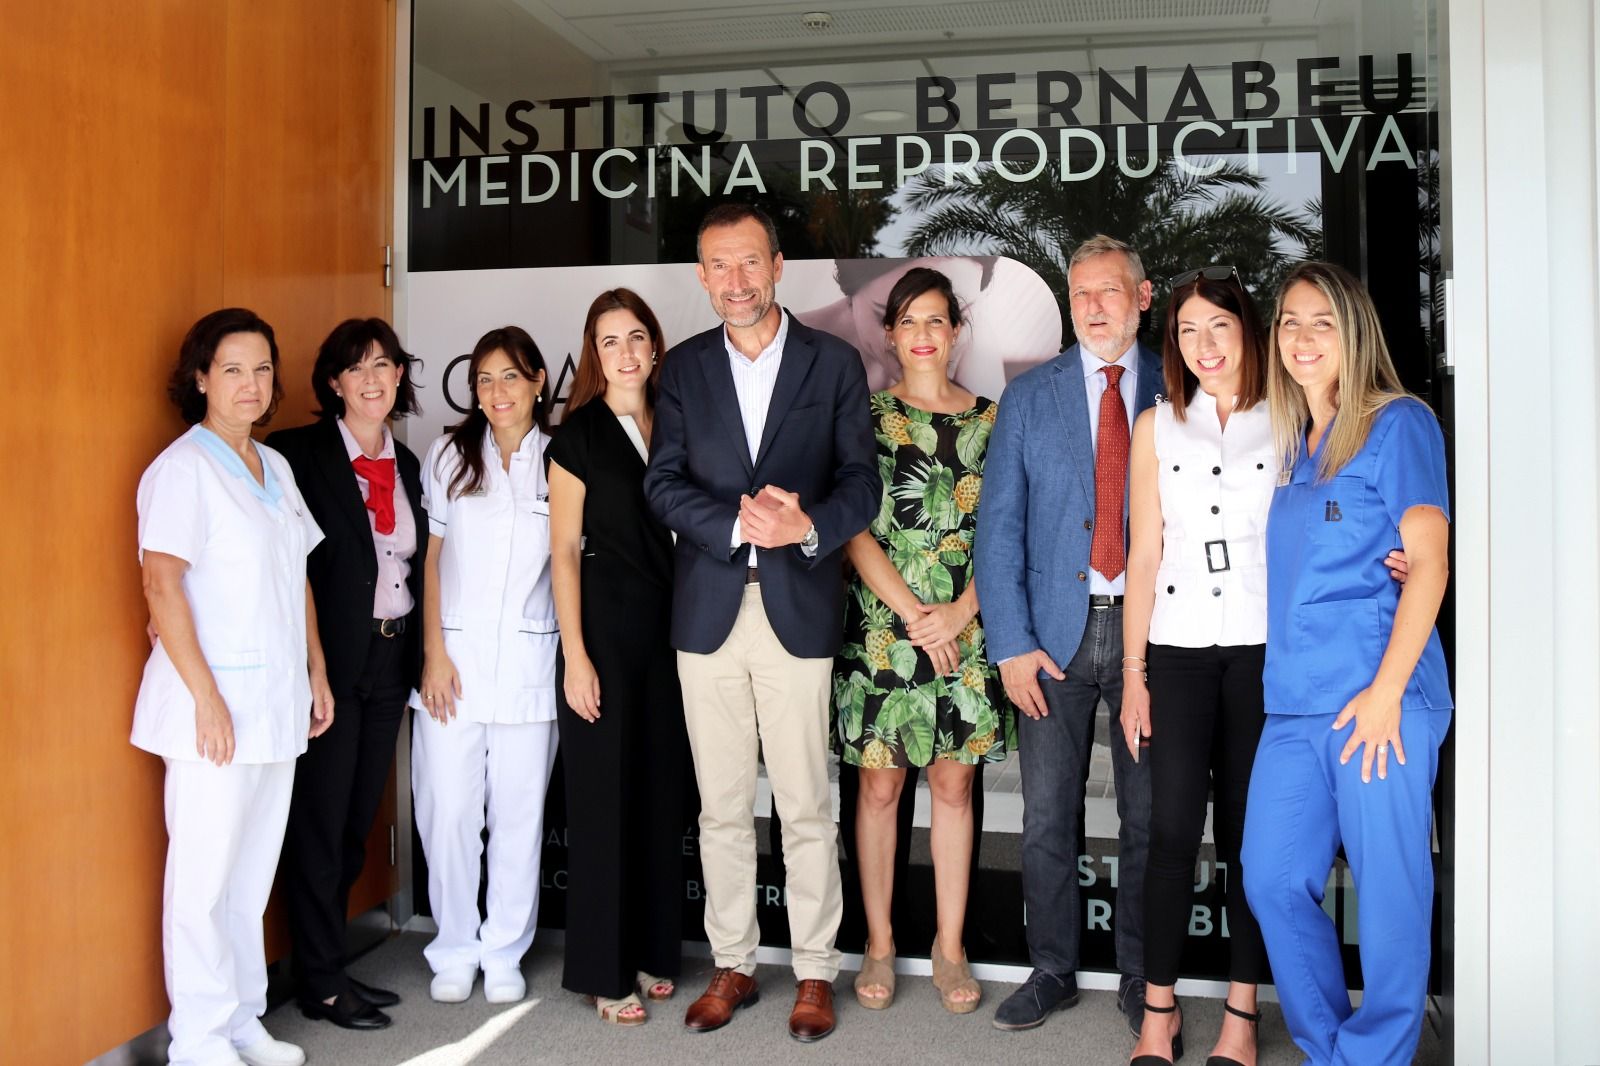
point(1100, 244)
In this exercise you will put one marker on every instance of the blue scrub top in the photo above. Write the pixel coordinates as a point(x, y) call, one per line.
point(1330, 599)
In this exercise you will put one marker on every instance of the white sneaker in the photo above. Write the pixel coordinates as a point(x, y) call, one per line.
point(504, 986)
point(270, 1052)
point(453, 986)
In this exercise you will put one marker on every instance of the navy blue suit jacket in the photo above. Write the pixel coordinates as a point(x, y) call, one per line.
point(817, 442)
point(1036, 517)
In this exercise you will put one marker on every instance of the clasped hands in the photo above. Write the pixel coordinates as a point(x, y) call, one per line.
point(934, 627)
point(772, 518)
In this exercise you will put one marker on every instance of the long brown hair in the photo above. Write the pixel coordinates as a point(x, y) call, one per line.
point(1230, 296)
point(589, 381)
point(467, 435)
point(1367, 379)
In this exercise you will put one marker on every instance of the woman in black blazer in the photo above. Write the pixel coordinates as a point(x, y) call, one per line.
point(365, 491)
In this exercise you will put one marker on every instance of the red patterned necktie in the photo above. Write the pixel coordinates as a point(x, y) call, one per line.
point(380, 489)
point(1108, 551)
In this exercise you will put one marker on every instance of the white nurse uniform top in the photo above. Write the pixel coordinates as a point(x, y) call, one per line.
point(246, 545)
point(495, 605)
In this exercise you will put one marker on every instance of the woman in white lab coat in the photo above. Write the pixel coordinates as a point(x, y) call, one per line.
point(486, 744)
point(234, 685)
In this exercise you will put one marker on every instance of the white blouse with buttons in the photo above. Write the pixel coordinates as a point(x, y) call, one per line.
point(1216, 486)
point(495, 605)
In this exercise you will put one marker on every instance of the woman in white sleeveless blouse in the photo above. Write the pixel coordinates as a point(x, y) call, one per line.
point(1202, 473)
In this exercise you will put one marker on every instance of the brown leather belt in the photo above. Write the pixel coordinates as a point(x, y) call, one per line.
point(752, 575)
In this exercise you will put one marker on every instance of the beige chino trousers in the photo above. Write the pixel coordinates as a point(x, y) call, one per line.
point(752, 691)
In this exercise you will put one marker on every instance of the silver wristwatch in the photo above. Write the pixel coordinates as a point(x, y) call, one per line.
point(809, 541)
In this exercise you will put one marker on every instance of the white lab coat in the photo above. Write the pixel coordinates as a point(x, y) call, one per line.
point(246, 545)
point(246, 586)
point(495, 605)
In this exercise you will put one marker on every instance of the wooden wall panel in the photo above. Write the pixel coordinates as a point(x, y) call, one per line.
point(161, 160)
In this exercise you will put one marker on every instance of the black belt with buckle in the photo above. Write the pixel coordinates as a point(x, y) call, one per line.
point(752, 575)
point(389, 627)
point(1104, 603)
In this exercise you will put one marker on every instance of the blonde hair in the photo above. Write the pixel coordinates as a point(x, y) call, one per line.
point(1367, 380)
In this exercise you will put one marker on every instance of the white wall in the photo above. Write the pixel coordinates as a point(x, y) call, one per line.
point(1524, 149)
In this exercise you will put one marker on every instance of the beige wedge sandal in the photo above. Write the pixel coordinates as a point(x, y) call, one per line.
point(952, 977)
point(653, 987)
point(876, 972)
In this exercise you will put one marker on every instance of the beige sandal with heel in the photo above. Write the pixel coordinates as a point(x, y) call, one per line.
point(653, 987)
point(952, 977)
point(876, 972)
point(610, 1010)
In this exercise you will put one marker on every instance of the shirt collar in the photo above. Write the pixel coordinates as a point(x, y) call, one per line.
point(233, 463)
point(1093, 364)
point(353, 450)
point(529, 446)
point(773, 349)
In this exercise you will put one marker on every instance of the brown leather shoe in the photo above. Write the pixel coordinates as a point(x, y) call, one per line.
point(812, 1017)
point(729, 990)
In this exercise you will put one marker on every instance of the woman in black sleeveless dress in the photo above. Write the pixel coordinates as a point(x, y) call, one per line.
point(623, 744)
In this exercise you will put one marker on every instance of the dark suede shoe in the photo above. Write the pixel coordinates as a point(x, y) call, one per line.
point(1130, 1001)
point(1029, 1005)
point(378, 997)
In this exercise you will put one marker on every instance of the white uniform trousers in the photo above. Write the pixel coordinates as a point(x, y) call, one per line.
point(224, 833)
point(458, 772)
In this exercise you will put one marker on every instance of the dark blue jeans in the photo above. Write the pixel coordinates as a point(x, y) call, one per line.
point(1055, 766)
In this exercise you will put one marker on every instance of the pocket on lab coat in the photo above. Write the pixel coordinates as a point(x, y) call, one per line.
point(241, 679)
point(537, 639)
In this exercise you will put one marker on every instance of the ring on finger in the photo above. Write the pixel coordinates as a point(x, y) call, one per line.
point(1383, 749)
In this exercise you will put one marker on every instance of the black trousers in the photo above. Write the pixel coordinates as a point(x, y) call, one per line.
point(629, 806)
point(338, 787)
point(1206, 715)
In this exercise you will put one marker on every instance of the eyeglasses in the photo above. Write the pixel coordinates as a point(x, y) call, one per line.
point(1210, 273)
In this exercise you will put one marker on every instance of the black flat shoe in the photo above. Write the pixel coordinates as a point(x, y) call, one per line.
point(348, 1011)
point(378, 997)
point(1255, 1026)
point(1177, 1041)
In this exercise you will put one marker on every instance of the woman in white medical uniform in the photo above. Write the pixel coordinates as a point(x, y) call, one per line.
point(234, 685)
point(486, 744)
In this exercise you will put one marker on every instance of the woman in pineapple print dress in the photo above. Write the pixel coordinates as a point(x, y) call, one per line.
point(911, 684)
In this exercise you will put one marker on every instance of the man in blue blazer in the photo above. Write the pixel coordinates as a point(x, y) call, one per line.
point(1049, 556)
point(762, 461)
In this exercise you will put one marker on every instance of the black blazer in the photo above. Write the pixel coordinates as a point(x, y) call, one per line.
point(817, 442)
point(344, 567)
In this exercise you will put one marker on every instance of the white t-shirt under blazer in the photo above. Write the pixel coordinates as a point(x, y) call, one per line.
point(246, 545)
point(495, 605)
point(1216, 487)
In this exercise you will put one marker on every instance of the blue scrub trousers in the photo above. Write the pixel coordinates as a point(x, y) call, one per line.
point(1302, 806)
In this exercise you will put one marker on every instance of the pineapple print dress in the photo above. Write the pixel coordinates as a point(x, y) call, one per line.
point(891, 709)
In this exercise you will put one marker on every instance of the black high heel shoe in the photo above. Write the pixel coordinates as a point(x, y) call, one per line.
point(1255, 1030)
point(1177, 1040)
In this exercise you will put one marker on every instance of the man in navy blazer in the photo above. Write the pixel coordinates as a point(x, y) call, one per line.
point(762, 462)
point(1052, 613)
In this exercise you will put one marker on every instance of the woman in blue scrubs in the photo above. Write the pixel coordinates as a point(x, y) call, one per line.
point(1357, 696)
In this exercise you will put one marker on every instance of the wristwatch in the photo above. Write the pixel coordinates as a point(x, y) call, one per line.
point(809, 541)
